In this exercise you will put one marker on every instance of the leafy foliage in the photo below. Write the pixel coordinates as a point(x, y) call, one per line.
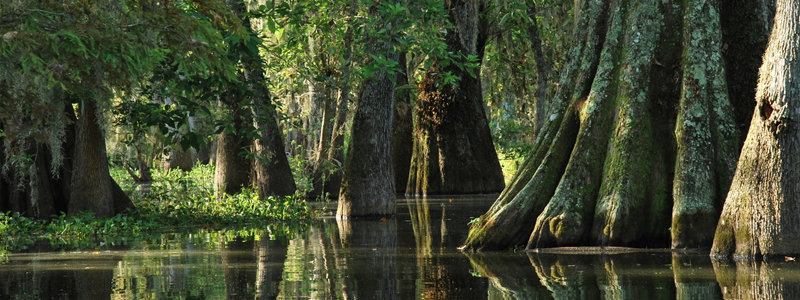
point(176, 201)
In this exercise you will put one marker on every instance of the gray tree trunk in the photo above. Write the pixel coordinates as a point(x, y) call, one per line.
point(760, 217)
point(640, 144)
point(368, 183)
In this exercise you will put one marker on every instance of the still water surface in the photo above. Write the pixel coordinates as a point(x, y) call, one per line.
point(412, 257)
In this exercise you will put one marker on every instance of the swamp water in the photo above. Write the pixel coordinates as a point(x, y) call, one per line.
point(412, 257)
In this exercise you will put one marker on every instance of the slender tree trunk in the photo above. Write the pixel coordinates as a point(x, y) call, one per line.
point(760, 214)
point(92, 187)
point(402, 129)
point(453, 149)
point(336, 153)
point(323, 147)
point(640, 143)
point(542, 71)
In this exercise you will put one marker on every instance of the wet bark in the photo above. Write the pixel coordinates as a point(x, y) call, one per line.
point(639, 145)
point(760, 217)
point(368, 182)
point(453, 150)
point(92, 188)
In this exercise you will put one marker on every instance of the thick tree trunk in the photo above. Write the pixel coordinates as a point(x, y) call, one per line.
point(92, 188)
point(368, 182)
point(402, 129)
point(232, 169)
point(453, 149)
point(760, 217)
point(640, 133)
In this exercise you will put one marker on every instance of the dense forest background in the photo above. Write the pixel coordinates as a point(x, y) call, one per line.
point(171, 84)
point(630, 116)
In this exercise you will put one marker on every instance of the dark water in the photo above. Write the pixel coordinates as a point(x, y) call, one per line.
point(412, 257)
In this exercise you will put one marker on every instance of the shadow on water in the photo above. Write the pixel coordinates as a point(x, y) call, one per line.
point(411, 257)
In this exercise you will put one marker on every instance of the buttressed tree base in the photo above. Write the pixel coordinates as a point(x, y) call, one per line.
point(641, 142)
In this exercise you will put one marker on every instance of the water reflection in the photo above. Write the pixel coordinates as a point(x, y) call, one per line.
point(410, 257)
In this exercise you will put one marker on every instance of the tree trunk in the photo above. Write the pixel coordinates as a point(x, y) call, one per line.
point(542, 72)
point(402, 129)
point(368, 182)
point(453, 150)
point(232, 169)
point(640, 107)
point(92, 188)
point(271, 171)
point(336, 153)
point(760, 213)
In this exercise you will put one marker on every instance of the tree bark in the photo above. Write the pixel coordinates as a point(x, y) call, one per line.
point(368, 183)
point(542, 71)
point(92, 188)
point(760, 217)
point(271, 172)
point(640, 144)
point(453, 149)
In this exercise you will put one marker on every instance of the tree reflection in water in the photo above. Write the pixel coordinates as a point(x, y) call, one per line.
point(759, 280)
point(412, 257)
point(651, 275)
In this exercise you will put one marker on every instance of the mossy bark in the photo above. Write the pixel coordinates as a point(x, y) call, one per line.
point(653, 145)
point(760, 217)
point(453, 150)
